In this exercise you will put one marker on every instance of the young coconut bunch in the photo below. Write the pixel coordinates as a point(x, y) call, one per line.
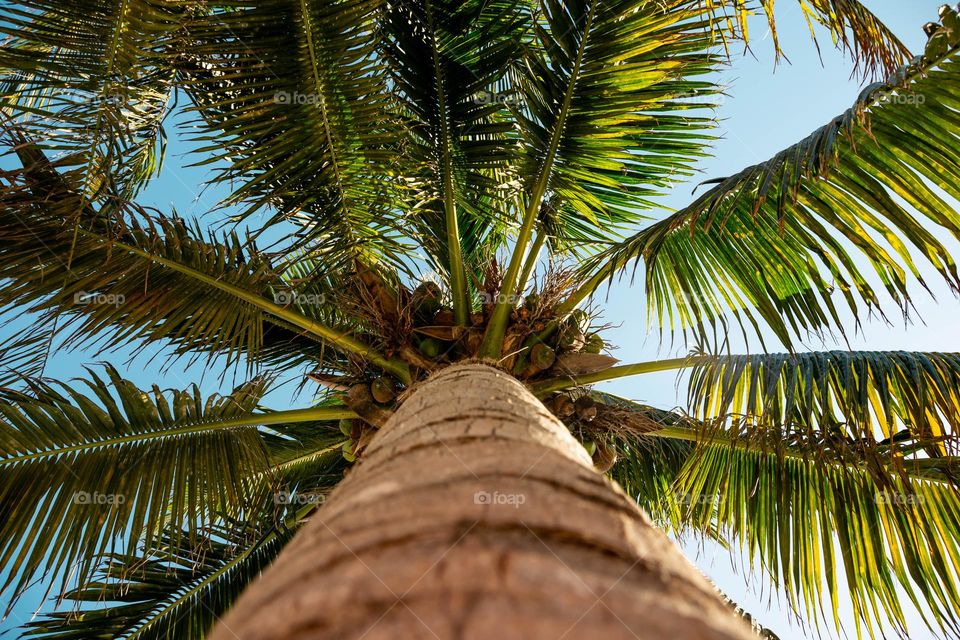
point(478, 140)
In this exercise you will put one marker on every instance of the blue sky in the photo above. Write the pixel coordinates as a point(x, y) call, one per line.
point(769, 107)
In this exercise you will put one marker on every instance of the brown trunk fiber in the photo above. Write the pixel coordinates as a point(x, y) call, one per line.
point(475, 514)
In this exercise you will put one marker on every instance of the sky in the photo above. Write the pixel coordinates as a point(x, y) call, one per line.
point(769, 107)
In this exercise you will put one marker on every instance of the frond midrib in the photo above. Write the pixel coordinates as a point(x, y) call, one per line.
point(262, 419)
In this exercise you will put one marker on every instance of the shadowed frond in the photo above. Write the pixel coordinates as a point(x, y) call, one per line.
point(183, 585)
point(647, 466)
point(782, 241)
point(449, 61)
point(24, 355)
point(298, 447)
point(92, 79)
point(139, 278)
point(175, 592)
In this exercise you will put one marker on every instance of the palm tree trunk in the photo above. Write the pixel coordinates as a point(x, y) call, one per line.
point(475, 514)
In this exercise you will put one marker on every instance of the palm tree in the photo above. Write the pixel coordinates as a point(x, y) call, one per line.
point(515, 150)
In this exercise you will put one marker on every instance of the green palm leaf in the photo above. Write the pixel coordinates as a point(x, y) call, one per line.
point(862, 445)
point(91, 79)
point(908, 401)
point(607, 122)
point(604, 128)
point(763, 244)
point(449, 61)
point(291, 100)
point(75, 464)
point(182, 585)
point(141, 278)
point(806, 509)
point(805, 521)
point(174, 592)
point(24, 356)
point(647, 466)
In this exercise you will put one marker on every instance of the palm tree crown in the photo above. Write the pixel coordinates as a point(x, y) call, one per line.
point(419, 162)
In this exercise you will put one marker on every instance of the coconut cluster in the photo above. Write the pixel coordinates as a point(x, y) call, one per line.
point(418, 326)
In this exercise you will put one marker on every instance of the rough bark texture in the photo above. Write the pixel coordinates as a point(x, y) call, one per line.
point(475, 514)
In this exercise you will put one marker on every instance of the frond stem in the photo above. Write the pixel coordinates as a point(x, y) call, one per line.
point(255, 420)
point(492, 345)
point(544, 387)
point(532, 258)
point(458, 276)
point(339, 339)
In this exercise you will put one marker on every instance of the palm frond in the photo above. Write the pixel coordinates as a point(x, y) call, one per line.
point(138, 278)
point(863, 446)
point(907, 401)
point(176, 591)
point(449, 61)
point(807, 509)
point(87, 469)
point(182, 585)
point(24, 355)
point(647, 466)
point(607, 119)
point(852, 27)
point(291, 101)
point(91, 80)
point(805, 520)
point(779, 242)
point(605, 123)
